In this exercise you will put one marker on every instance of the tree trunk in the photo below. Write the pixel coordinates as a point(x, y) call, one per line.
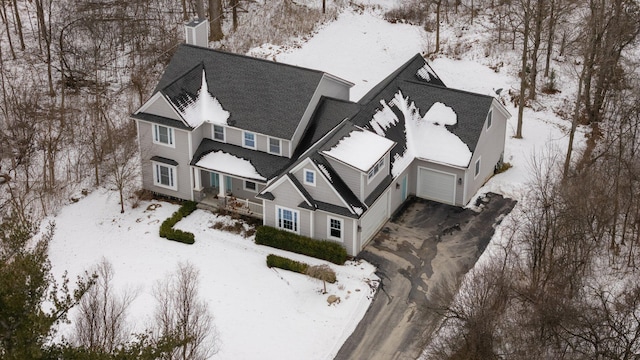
point(537, 35)
point(550, 37)
point(5, 19)
point(438, 4)
point(523, 68)
point(574, 123)
point(16, 15)
point(215, 18)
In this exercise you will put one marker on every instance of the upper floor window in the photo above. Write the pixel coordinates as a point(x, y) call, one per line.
point(489, 119)
point(309, 177)
point(162, 135)
point(477, 168)
point(375, 169)
point(274, 146)
point(218, 132)
point(249, 140)
point(250, 186)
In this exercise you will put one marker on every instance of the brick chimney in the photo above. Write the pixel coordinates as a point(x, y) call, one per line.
point(197, 32)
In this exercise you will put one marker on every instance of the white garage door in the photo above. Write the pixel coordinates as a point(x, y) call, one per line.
point(373, 219)
point(436, 185)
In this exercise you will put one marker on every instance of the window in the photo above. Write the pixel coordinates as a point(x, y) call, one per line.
point(162, 135)
point(218, 132)
point(309, 177)
point(287, 219)
point(274, 146)
point(477, 170)
point(489, 119)
point(249, 140)
point(164, 176)
point(250, 185)
point(335, 228)
point(375, 169)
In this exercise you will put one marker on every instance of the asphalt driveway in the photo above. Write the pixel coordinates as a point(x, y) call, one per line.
point(427, 246)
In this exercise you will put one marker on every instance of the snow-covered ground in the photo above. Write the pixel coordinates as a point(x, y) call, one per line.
point(264, 313)
point(259, 312)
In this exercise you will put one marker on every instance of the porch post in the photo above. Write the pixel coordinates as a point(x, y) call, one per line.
point(221, 187)
point(197, 180)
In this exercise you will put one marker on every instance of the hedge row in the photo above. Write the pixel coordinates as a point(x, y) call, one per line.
point(168, 232)
point(285, 240)
point(286, 264)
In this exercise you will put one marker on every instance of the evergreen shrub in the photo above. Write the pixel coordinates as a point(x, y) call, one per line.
point(168, 232)
point(285, 240)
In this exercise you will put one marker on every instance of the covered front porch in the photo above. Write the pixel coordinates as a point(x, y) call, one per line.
point(227, 192)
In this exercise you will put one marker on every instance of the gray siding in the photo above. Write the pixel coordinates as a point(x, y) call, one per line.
point(197, 135)
point(349, 175)
point(327, 87)
point(237, 186)
point(395, 198)
point(161, 107)
point(369, 187)
point(322, 191)
point(180, 154)
point(235, 136)
point(321, 227)
point(287, 196)
point(460, 173)
point(489, 149)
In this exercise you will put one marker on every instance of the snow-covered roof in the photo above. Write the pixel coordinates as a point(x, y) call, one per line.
point(204, 107)
point(221, 161)
point(426, 136)
point(259, 95)
point(361, 149)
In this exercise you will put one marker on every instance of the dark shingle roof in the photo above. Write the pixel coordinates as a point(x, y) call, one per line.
point(160, 120)
point(267, 165)
point(408, 71)
point(261, 95)
point(329, 113)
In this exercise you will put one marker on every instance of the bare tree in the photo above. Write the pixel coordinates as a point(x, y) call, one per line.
point(101, 324)
point(181, 314)
point(215, 20)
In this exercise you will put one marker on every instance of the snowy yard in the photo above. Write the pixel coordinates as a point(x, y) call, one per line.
point(260, 312)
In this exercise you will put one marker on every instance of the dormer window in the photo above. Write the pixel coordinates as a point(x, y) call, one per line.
point(162, 135)
point(375, 170)
point(274, 146)
point(218, 132)
point(309, 177)
point(249, 140)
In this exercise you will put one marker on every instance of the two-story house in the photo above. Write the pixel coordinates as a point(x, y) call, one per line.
point(284, 143)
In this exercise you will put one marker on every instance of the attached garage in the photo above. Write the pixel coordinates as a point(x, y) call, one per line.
point(374, 218)
point(436, 185)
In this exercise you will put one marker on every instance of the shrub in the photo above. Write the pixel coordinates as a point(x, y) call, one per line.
point(166, 228)
point(284, 240)
point(286, 264)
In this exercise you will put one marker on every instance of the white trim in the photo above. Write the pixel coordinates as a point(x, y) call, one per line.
point(155, 130)
point(173, 175)
point(196, 178)
point(269, 138)
point(244, 186)
point(295, 221)
point(224, 133)
point(255, 140)
point(477, 167)
point(341, 221)
point(312, 224)
point(369, 179)
point(356, 249)
point(501, 108)
point(304, 177)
